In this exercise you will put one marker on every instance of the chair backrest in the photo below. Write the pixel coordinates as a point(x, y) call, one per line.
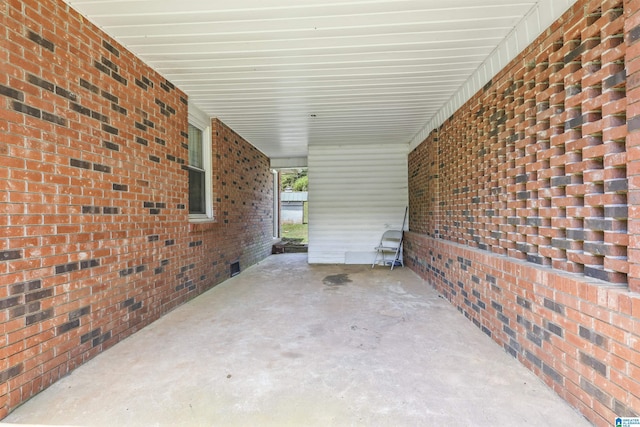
point(391, 237)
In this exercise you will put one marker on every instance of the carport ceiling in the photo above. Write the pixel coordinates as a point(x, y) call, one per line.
point(287, 74)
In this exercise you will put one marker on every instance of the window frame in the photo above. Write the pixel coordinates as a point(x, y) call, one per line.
point(199, 120)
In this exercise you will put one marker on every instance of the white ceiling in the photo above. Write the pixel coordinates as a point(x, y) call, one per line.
point(286, 74)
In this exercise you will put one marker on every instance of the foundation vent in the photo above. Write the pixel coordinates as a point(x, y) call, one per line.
point(235, 268)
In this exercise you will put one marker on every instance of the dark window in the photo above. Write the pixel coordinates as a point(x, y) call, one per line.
point(197, 174)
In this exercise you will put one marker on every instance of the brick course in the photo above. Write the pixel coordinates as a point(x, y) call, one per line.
point(523, 208)
point(95, 241)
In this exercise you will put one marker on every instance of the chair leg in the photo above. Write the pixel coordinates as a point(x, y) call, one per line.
point(396, 258)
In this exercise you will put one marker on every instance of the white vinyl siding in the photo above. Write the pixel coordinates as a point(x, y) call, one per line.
point(355, 194)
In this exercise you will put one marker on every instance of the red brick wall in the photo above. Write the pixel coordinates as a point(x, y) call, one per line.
point(632, 66)
point(95, 241)
point(521, 203)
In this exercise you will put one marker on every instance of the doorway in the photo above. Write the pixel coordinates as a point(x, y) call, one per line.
point(294, 209)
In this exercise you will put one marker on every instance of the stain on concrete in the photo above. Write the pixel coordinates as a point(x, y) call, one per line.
point(336, 280)
point(316, 330)
point(291, 355)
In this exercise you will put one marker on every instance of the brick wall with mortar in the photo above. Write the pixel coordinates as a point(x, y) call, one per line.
point(95, 241)
point(523, 211)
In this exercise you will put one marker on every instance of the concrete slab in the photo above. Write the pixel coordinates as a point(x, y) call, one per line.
point(290, 344)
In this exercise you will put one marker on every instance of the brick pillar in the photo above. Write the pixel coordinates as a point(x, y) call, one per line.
point(632, 65)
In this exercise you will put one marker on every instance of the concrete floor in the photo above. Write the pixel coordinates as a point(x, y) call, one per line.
point(289, 344)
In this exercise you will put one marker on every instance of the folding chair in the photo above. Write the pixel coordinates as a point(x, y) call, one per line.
point(390, 242)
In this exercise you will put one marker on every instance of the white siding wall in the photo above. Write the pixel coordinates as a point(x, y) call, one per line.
point(355, 194)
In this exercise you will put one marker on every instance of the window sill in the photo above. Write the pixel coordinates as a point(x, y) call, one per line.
point(201, 224)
